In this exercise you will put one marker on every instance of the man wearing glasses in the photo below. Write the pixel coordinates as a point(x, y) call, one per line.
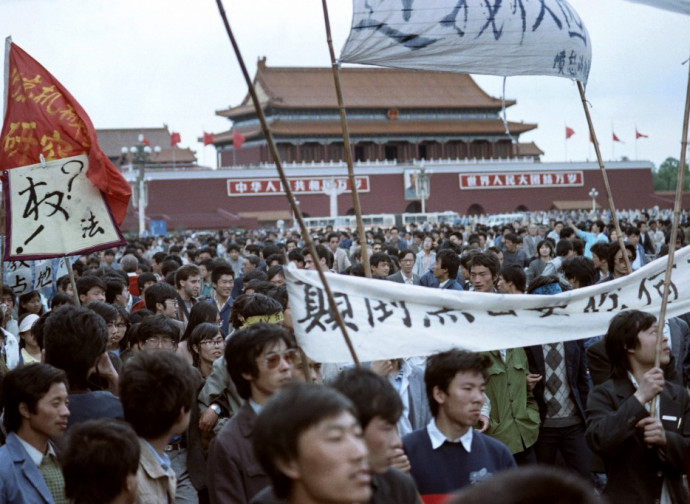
point(223, 279)
point(405, 275)
point(259, 360)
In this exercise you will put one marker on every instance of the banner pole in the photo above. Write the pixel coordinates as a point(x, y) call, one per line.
point(674, 230)
point(604, 176)
point(346, 144)
point(288, 191)
point(72, 281)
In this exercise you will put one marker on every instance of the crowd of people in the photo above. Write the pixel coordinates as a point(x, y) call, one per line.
point(170, 372)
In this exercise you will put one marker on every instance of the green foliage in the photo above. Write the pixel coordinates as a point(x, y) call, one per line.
point(666, 176)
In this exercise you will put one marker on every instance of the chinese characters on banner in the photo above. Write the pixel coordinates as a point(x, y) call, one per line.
point(304, 185)
point(385, 321)
point(517, 180)
point(55, 210)
point(27, 276)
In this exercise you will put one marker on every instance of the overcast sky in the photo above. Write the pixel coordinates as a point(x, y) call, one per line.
point(148, 62)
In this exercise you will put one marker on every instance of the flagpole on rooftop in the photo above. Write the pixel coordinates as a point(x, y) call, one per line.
point(604, 176)
point(674, 228)
point(346, 144)
point(335, 310)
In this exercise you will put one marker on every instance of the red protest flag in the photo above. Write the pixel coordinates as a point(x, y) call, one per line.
point(208, 138)
point(174, 139)
point(569, 132)
point(616, 139)
point(144, 140)
point(237, 140)
point(42, 117)
point(640, 135)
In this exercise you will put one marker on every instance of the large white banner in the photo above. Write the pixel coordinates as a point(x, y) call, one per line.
point(494, 37)
point(386, 320)
point(682, 6)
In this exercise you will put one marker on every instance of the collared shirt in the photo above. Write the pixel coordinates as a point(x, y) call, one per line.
point(438, 438)
point(255, 406)
point(408, 280)
point(163, 460)
point(443, 284)
point(34, 454)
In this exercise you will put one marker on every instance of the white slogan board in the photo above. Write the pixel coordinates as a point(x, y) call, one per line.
point(386, 320)
point(55, 210)
point(494, 37)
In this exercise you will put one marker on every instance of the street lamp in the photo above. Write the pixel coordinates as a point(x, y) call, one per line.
point(140, 156)
point(422, 186)
point(593, 194)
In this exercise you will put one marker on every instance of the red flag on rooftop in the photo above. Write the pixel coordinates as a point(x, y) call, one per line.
point(42, 117)
point(237, 139)
point(640, 135)
point(208, 138)
point(144, 140)
point(174, 138)
point(569, 132)
point(616, 139)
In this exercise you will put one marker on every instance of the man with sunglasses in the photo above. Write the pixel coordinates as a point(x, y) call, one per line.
point(259, 361)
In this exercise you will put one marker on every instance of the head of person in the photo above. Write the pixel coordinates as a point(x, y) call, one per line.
point(379, 408)
point(579, 271)
point(233, 251)
point(407, 260)
point(200, 313)
point(316, 451)
point(325, 259)
point(144, 281)
point(161, 298)
point(110, 316)
point(600, 252)
point(276, 275)
point(632, 337)
point(129, 263)
point(188, 280)
point(333, 241)
point(484, 268)
point(446, 265)
point(101, 461)
point(511, 242)
point(90, 288)
point(380, 263)
point(259, 360)
point(26, 323)
point(155, 333)
point(116, 291)
point(30, 303)
point(616, 260)
point(206, 343)
point(455, 381)
point(545, 249)
point(512, 279)
point(633, 235)
point(564, 248)
point(598, 226)
point(61, 299)
point(546, 285)
point(34, 398)
point(74, 338)
point(157, 391)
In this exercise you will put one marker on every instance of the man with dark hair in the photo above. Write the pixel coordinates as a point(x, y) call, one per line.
point(188, 285)
point(396, 241)
point(75, 340)
point(579, 271)
point(340, 260)
point(100, 462)
point(632, 235)
point(512, 253)
point(35, 410)
point(259, 361)
point(449, 454)
point(405, 275)
point(223, 280)
point(380, 263)
point(595, 235)
point(90, 288)
point(316, 453)
point(616, 261)
point(600, 252)
point(157, 391)
point(484, 268)
point(564, 249)
point(325, 261)
point(512, 279)
point(445, 269)
point(116, 291)
point(235, 259)
point(156, 333)
point(644, 454)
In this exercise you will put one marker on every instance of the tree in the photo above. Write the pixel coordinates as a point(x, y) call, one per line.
point(666, 176)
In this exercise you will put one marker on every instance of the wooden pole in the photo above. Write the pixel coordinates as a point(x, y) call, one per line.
point(675, 227)
point(609, 196)
point(283, 178)
point(346, 144)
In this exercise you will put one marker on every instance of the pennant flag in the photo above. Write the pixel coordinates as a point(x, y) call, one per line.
point(640, 135)
point(682, 6)
point(174, 139)
point(387, 322)
point(569, 132)
point(237, 140)
point(208, 138)
point(472, 36)
point(144, 140)
point(42, 117)
point(616, 139)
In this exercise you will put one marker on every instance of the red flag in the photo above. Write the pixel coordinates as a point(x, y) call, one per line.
point(174, 139)
point(42, 117)
point(237, 140)
point(616, 139)
point(144, 140)
point(569, 132)
point(640, 135)
point(208, 138)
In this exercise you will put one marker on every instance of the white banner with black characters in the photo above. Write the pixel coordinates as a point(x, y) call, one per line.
point(387, 320)
point(494, 37)
point(682, 6)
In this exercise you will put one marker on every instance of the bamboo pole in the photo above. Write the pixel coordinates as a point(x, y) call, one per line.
point(674, 228)
point(346, 144)
point(283, 178)
point(604, 176)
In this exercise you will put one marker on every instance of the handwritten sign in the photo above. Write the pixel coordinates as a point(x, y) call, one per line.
point(494, 37)
point(55, 211)
point(386, 321)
